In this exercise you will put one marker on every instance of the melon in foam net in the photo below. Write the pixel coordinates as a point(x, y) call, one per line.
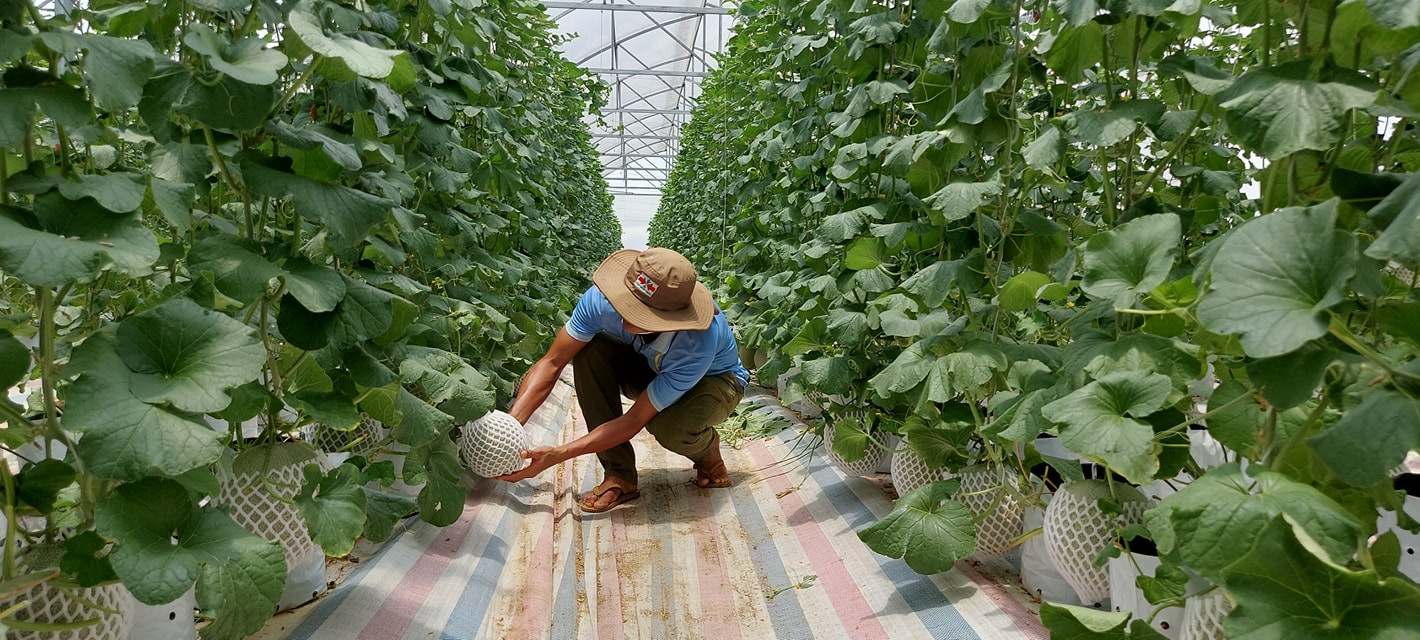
point(490, 445)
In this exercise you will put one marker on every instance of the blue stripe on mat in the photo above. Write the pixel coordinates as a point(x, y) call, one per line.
point(785, 613)
point(331, 603)
point(468, 614)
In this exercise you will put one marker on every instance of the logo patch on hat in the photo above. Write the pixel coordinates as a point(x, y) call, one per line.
point(646, 285)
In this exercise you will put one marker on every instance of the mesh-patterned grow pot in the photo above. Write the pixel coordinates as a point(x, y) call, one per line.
point(258, 506)
point(1203, 616)
point(910, 472)
point(986, 490)
point(874, 456)
point(50, 604)
point(360, 441)
point(1076, 530)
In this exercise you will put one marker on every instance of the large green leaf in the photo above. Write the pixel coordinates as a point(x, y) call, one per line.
point(333, 506)
point(1108, 127)
point(1076, 50)
point(958, 199)
point(14, 361)
point(164, 544)
point(973, 108)
point(1070, 622)
point(847, 225)
point(449, 382)
point(66, 105)
point(1283, 592)
point(907, 371)
point(850, 439)
point(964, 370)
point(441, 500)
point(115, 68)
point(333, 410)
point(1100, 421)
point(347, 214)
point(1078, 12)
point(124, 437)
point(247, 60)
point(1234, 417)
point(187, 356)
point(926, 528)
point(382, 512)
point(1289, 380)
point(422, 423)
point(129, 246)
point(1395, 14)
point(813, 337)
point(362, 315)
point(1023, 290)
point(1399, 212)
point(361, 58)
point(117, 192)
point(1219, 518)
point(317, 287)
point(74, 242)
point(1125, 263)
point(227, 104)
point(237, 266)
point(833, 375)
point(1275, 276)
point(1371, 439)
point(341, 153)
point(1277, 111)
point(935, 282)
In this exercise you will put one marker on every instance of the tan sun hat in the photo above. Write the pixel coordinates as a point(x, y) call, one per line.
point(656, 290)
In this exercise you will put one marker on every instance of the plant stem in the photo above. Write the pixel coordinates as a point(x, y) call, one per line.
point(11, 521)
point(1342, 332)
point(300, 82)
point(1168, 159)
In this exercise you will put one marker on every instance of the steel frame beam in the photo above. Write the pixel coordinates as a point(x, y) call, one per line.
point(665, 73)
point(643, 8)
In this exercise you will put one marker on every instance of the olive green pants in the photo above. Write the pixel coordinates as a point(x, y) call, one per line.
point(606, 370)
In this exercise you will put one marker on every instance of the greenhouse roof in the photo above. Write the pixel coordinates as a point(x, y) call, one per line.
point(653, 56)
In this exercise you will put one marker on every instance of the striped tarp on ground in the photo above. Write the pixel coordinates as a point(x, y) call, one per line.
point(775, 556)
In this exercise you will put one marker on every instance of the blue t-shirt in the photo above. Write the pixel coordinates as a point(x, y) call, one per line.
point(679, 358)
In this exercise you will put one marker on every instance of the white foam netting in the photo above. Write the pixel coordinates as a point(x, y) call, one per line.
point(1076, 530)
point(910, 472)
point(984, 491)
point(51, 605)
point(1203, 616)
point(490, 445)
point(873, 456)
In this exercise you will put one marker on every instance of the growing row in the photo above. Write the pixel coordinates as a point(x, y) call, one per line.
point(227, 222)
point(972, 223)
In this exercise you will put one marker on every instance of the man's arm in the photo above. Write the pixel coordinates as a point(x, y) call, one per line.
point(604, 437)
point(537, 384)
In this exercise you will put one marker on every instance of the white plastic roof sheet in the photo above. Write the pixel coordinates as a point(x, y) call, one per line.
point(654, 56)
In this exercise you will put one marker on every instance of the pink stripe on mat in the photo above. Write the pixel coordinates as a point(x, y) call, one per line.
point(535, 601)
point(406, 598)
point(854, 613)
point(717, 600)
point(1024, 620)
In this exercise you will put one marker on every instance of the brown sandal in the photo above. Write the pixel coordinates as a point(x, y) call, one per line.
point(704, 476)
point(623, 495)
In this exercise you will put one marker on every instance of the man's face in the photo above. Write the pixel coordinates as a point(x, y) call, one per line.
point(633, 329)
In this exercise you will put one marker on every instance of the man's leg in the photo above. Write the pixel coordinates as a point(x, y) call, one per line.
point(603, 372)
point(687, 427)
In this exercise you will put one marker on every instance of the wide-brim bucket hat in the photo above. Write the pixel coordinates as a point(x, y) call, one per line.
point(655, 290)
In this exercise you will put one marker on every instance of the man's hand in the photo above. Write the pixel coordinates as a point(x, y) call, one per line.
point(540, 459)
